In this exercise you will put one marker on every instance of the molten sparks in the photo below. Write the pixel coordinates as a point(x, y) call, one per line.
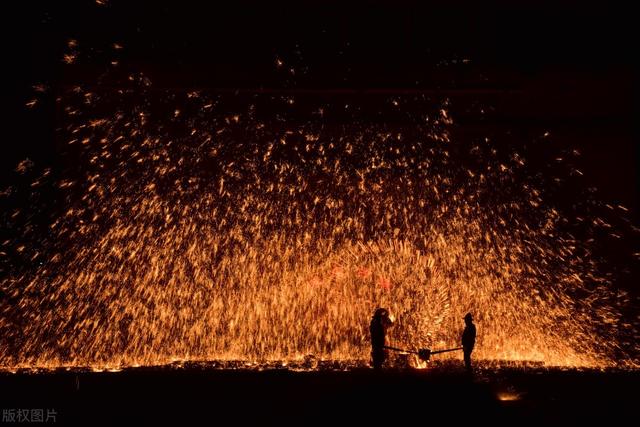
point(508, 396)
point(221, 237)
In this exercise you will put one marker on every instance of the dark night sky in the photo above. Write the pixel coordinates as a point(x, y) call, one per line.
point(568, 68)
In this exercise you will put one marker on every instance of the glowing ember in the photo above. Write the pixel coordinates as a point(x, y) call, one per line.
point(192, 233)
point(508, 396)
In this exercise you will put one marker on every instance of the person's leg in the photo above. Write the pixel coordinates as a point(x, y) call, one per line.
point(467, 360)
point(377, 356)
point(375, 360)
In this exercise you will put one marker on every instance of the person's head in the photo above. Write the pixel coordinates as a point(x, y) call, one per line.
point(383, 316)
point(381, 313)
point(468, 318)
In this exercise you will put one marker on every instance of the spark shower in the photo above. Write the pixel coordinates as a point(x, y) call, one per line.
point(196, 226)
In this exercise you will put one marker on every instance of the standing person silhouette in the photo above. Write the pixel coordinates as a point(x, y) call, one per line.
point(468, 340)
point(378, 329)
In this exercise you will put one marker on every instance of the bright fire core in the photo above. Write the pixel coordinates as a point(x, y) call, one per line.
point(190, 233)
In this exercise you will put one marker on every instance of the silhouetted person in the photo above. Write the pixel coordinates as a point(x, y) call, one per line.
point(468, 340)
point(378, 329)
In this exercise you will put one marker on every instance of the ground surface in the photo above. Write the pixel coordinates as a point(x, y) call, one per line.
point(442, 396)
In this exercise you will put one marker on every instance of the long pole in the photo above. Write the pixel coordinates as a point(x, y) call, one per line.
point(444, 351)
point(416, 352)
point(399, 349)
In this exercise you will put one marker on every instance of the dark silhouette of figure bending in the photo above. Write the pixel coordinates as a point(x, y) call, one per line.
point(378, 329)
point(468, 340)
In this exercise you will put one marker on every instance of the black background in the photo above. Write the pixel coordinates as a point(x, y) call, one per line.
point(564, 67)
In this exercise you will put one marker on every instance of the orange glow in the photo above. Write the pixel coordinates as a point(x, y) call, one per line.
point(506, 396)
point(207, 245)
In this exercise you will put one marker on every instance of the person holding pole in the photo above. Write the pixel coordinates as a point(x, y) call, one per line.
point(468, 340)
point(380, 322)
